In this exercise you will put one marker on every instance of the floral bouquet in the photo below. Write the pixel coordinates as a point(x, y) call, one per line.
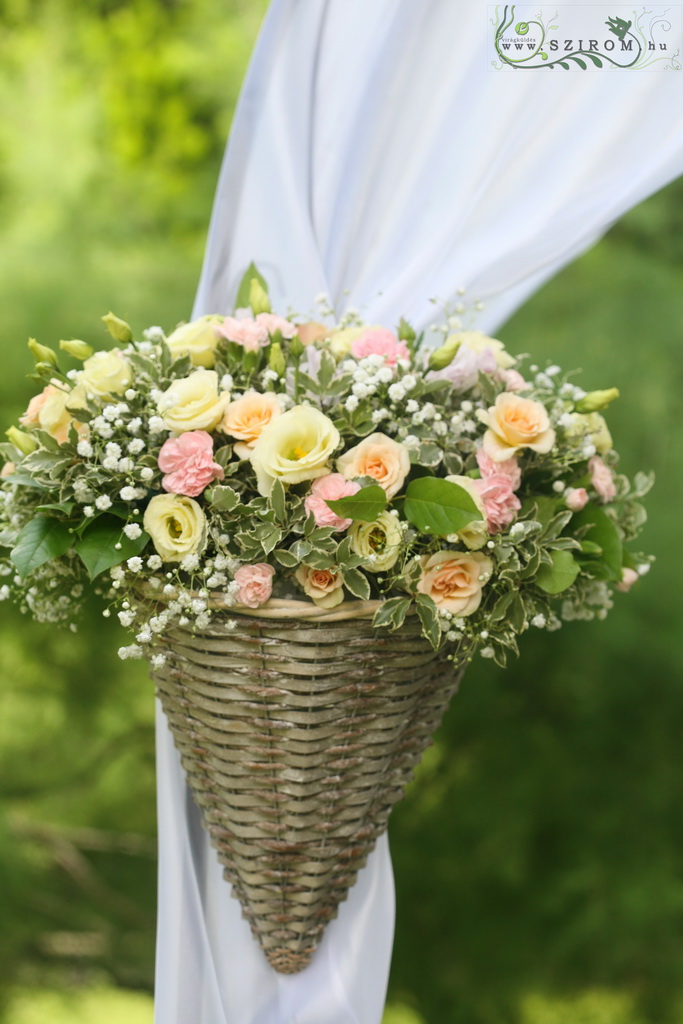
point(254, 487)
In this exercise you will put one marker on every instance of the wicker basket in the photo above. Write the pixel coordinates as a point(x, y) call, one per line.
point(298, 731)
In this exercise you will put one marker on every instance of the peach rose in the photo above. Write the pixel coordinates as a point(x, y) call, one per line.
point(628, 578)
point(329, 488)
point(323, 586)
point(50, 413)
point(602, 479)
point(454, 580)
point(516, 423)
point(8, 469)
point(380, 457)
point(312, 331)
point(255, 583)
point(246, 417)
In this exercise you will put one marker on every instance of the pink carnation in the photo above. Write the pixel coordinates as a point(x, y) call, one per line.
point(508, 467)
point(188, 463)
point(602, 479)
point(576, 498)
point(329, 488)
point(381, 342)
point(247, 332)
point(255, 583)
point(501, 504)
point(273, 323)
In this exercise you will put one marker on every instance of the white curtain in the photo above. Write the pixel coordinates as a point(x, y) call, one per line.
point(376, 157)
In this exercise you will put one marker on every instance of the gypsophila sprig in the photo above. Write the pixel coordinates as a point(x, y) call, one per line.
point(250, 457)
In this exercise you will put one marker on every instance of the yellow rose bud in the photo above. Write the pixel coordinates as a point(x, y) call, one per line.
point(258, 297)
point(176, 525)
point(295, 446)
point(119, 329)
point(197, 340)
point(380, 542)
point(24, 442)
point(193, 403)
point(444, 356)
point(594, 401)
point(276, 360)
point(76, 349)
point(41, 353)
point(105, 373)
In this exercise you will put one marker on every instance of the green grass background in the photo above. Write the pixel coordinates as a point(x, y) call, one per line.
point(539, 854)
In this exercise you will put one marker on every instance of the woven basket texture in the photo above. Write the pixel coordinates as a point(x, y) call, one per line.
point(297, 738)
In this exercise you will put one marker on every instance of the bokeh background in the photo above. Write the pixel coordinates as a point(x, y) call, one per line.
point(539, 854)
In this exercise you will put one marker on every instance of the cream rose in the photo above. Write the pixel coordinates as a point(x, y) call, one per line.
point(295, 446)
point(105, 373)
point(197, 340)
point(516, 423)
point(246, 417)
point(193, 403)
point(380, 457)
point(176, 525)
point(379, 541)
point(323, 586)
point(475, 534)
point(454, 580)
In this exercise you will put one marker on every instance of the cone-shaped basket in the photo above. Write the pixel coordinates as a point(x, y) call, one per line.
point(297, 736)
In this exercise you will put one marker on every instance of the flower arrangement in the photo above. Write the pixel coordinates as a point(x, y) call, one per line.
point(257, 457)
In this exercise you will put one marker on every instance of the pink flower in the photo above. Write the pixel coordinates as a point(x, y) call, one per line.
point(463, 372)
point(501, 504)
point(188, 463)
point(509, 468)
point(273, 323)
point(381, 342)
point(512, 379)
point(255, 583)
point(329, 488)
point(247, 332)
point(576, 498)
point(628, 578)
point(602, 479)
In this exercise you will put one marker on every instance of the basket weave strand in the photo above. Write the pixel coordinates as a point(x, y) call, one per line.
point(297, 738)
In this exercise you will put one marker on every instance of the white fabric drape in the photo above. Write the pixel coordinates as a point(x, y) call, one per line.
point(375, 157)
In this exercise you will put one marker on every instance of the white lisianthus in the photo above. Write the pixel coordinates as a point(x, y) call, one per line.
point(478, 342)
point(105, 373)
point(197, 340)
point(177, 526)
point(379, 541)
point(295, 446)
point(193, 403)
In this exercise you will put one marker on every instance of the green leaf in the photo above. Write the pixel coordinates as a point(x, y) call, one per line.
point(560, 574)
point(25, 480)
point(540, 507)
point(438, 506)
point(271, 539)
point(327, 370)
point(604, 533)
point(242, 298)
point(277, 500)
point(392, 613)
point(286, 558)
point(357, 584)
point(365, 505)
point(97, 547)
point(426, 609)
point(223, 455)
point(63, 506)
point(42, 539)
point(222, 498)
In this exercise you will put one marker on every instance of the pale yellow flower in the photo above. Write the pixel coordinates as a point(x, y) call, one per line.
point(197, 340)
point(323, 586)
point(177, 526)
point(105, 373)
point(516, 423)
point(475, 534)
point(380, 541)
point(477, 341)
point(296, 446)
point(193, 403)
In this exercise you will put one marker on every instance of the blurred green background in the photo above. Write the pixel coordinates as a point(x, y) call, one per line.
point(539, 855)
